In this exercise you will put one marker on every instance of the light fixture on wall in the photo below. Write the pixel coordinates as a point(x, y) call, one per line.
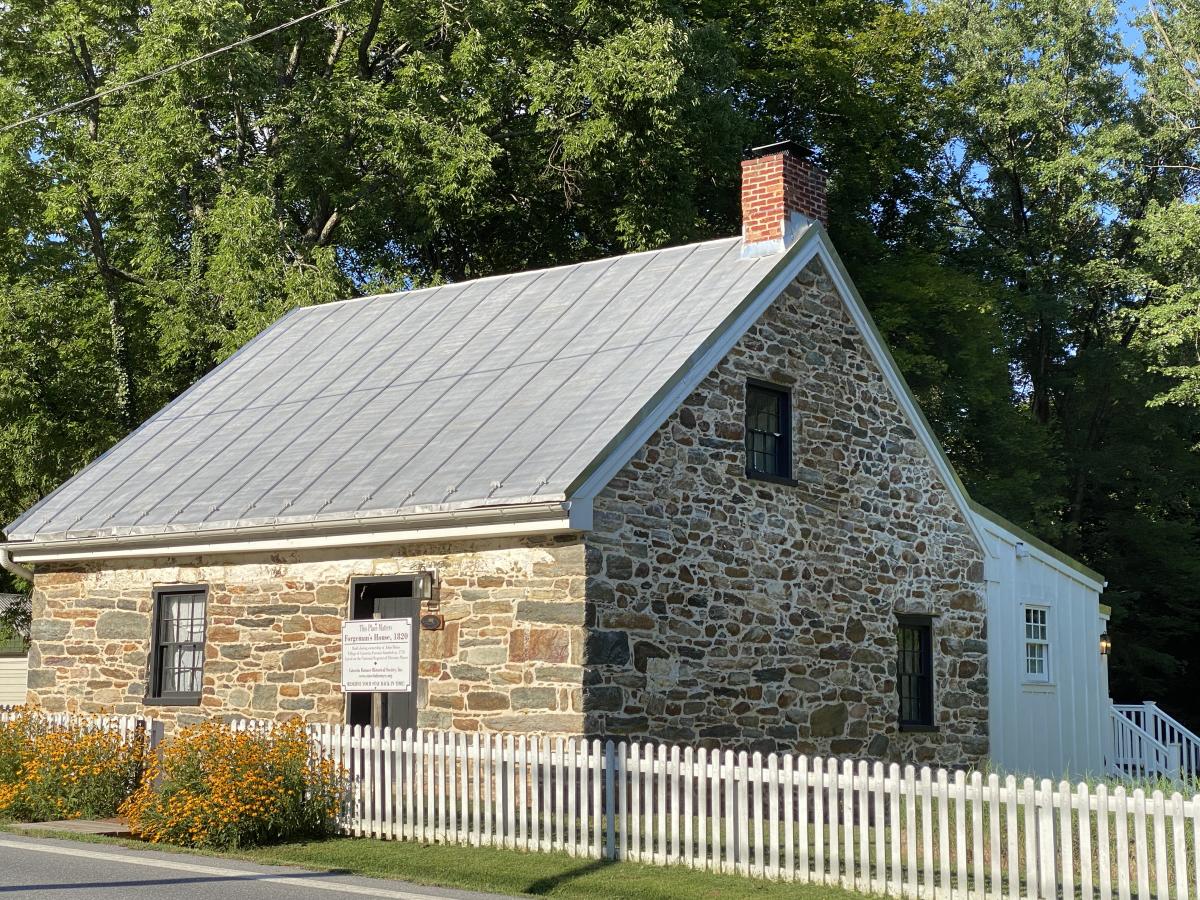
point(426, 592)
point(1105, 644)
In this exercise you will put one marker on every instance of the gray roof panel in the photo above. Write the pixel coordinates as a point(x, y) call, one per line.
point(499, 390)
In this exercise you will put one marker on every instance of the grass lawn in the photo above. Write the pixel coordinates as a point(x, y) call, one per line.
point(508, 871)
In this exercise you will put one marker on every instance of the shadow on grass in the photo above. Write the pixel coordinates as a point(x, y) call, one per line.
point(546, 885)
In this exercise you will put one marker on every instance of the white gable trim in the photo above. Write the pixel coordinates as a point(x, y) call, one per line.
point(812, 243)
point(1002, 530)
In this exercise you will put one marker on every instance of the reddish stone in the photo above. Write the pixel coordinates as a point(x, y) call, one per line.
point(544, 644)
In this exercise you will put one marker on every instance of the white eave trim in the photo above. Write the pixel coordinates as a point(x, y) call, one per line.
point(1057, 560)
point(474, 524)
point(812, 244)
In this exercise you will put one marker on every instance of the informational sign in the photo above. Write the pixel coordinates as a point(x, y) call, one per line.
point(377, 655)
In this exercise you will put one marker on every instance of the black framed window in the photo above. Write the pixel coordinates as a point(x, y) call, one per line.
point(914, 671)
point(768, 432)
point(177, 664)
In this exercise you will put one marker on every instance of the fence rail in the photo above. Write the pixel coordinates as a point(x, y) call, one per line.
point(900, 831)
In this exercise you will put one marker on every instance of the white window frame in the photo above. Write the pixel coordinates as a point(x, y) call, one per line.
point(1029, 641)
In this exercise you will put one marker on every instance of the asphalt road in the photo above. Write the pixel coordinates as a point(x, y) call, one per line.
point(66, 870)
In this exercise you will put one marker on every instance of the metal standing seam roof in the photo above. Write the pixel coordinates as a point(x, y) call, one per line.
point(489, 392)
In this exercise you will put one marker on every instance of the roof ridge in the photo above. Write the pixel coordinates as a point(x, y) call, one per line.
point(520, 272)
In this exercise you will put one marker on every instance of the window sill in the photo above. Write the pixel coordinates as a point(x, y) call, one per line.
point(774, 479)
point(171, 701)
point(919, 729)
point(1039, 687)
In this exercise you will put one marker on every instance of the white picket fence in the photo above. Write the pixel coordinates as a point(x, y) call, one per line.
point(129, 727)
point(886, 829)
point(892, 830)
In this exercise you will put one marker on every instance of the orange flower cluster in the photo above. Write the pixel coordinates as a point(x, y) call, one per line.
point(51, 771)
point(219, 788)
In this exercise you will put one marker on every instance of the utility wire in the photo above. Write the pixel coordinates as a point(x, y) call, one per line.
point(171, 68)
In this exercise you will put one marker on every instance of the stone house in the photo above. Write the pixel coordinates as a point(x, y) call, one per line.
point(679, 495)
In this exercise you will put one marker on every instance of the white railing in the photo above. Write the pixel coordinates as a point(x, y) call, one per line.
point(1168, 732)
point(889, 830)
point(1135, 753)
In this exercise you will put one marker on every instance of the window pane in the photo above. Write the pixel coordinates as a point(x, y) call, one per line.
point(179, 650)
point(766, 444)
point(914, 678)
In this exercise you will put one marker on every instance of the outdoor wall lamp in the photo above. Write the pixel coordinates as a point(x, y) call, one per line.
point(1105, 644)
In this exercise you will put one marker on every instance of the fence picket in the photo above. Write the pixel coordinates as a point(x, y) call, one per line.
point(676, 801)
point(623, 793)
point(731, 831)
point(704, 815)
point(1139, 840)
point(1032, 884)
point(773, 816)
point(1103, 863)
point(1084, 805)
point(847, 778)
point(511, 796)
point(961, 871)
point(803, 775)
point(1178, 836)
point(894, 881)
point(560, 834)
point(874, 787)
point(1065, 843)
point(660, 853)
point(572, 785)
point(818, 805)
point(1195, 804)
point(387, 795)
point(610, 799)
point(789, 801)
point(834, 828)
point(943, 820)
point(996, 888)
point(1045, 819)
point(755, 786)
point(926, 805)
point(1158, 807)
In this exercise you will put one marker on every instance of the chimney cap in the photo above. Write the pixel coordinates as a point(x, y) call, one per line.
point(791, 147)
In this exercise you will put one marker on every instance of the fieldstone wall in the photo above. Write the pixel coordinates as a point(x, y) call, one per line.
point(509, 658)
point(739, 612)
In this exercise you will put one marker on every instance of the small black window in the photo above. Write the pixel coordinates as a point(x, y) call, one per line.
point(768, 432)
point(177, 664)
point(914, 671)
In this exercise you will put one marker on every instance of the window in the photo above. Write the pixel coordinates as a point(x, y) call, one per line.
point(177, 666)
point(1037, 644)
point(914, 672)
point(768, 432)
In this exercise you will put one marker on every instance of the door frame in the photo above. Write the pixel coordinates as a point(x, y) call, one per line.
point(413, 578)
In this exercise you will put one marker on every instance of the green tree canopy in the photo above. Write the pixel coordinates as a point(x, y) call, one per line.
point(1012, 185)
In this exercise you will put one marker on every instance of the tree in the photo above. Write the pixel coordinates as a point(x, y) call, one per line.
point(1053, 167)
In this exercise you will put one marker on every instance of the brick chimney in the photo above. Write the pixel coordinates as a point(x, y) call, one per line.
point(782, 191)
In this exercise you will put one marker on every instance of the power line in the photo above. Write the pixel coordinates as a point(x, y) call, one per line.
point(171, 68)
